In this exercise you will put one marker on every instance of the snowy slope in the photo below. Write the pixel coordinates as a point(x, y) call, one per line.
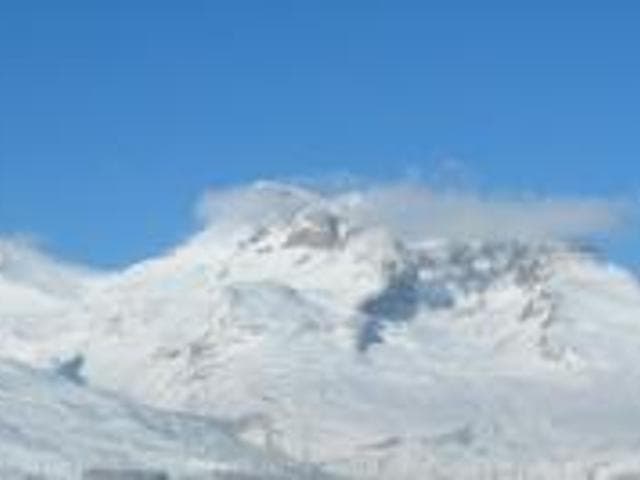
point(321, 336)
point(59, 430)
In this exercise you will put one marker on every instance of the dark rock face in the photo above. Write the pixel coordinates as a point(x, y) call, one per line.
point(436, 279)
point(71, 369)
point(398, 302)
point(315, 230)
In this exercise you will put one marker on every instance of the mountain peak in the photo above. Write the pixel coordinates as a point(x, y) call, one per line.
point(352, 340)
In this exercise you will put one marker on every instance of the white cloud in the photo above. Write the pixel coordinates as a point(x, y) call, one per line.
point(22, 261)
point(415, 211)
point(257, 203)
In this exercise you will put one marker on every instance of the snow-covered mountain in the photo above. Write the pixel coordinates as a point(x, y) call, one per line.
point(325, 337)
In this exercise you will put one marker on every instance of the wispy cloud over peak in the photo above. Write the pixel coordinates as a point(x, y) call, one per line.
point(415, 211)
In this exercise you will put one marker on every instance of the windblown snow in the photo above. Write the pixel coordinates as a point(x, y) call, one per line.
point(310, 338)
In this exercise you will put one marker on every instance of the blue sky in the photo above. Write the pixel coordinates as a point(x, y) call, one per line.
point(116, 116)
